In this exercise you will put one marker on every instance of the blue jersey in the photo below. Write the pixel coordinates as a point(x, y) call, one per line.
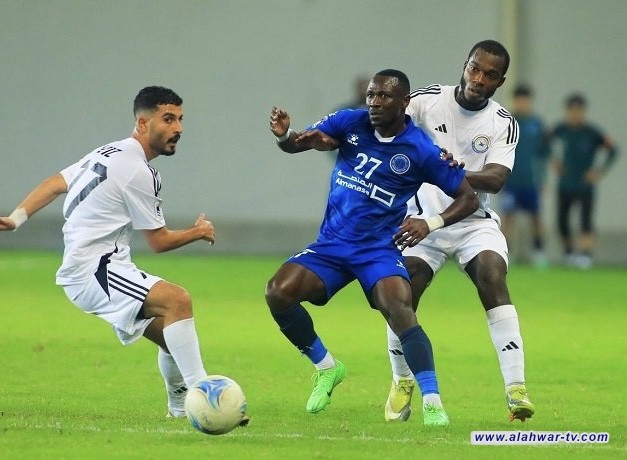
point(531, 153)
point(373, 178)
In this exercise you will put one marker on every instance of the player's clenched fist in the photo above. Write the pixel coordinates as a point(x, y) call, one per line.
point(6, 224)
point(206, 227)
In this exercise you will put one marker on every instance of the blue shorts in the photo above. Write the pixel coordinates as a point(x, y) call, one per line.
point(337, 264)
point(516, 198)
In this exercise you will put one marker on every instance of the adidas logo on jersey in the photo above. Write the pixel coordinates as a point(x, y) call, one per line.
point(441, 128)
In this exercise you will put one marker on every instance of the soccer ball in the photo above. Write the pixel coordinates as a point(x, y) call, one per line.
point(215, 405)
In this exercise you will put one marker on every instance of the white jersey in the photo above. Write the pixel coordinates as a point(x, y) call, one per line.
point(111, 192)
point(477, 138)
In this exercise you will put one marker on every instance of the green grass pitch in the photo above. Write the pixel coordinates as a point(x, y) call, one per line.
point(69, 390)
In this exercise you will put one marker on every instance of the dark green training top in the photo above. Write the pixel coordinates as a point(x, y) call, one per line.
point(580, 147)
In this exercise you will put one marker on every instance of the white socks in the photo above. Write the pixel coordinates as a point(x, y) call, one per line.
point(182, 342)
point(174, 384)
point(505, 333)
point(400, 369)
point(432, 399)
point(170, 371)
point(327, 362)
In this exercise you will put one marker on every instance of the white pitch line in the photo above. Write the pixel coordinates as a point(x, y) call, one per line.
point(242, 432)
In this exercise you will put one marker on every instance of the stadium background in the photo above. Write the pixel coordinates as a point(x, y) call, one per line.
point(71, 69)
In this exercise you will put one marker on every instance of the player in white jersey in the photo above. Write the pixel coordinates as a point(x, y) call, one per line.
point(479, 132)
point(111, 192)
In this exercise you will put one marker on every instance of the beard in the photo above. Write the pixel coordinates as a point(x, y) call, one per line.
point(168, 148)
point(474, 102)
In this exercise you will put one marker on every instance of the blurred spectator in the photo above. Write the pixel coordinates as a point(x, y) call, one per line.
point(358, 101)
point(579, 170)
point(360, 86)
point(522, 192)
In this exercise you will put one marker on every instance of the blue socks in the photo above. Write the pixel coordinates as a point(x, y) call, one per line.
point(419, 356)
point(428, 382)
point(297, 325)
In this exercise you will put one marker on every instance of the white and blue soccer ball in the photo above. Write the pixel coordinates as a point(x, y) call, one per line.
point(216, 405)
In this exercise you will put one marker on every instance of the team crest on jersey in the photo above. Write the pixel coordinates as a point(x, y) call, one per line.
point(352, 139)
point(400, 163)
point(481, 143)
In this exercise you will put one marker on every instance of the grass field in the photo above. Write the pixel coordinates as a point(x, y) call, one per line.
point(69, 390)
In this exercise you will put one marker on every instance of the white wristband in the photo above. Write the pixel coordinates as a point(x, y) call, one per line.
point(434, 222)
point(285, 136)
point(18, 216)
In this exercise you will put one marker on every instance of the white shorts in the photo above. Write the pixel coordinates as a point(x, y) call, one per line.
point(116, 293)
point(462, 242)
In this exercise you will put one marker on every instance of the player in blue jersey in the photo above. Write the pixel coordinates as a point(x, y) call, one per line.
point(382, 160)
point(522, 191)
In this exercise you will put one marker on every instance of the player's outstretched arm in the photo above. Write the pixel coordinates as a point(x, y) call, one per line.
point(280, 127)
point(317, 140)
point(290, 141)
point(162, 239)
point(490, 179)
point(464, 204)
point(42, 195)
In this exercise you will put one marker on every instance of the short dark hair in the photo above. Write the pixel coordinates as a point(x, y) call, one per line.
point(150, 97)
point(523, 90)
point(402, 78)
point(492, 47)
point(576, 99)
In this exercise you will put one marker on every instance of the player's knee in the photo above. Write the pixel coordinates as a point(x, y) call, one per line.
point(180, 303)
point(401, 317)
point(492, 288)
point(396, 309)
point(490, 279)
point(278, 295)
point(488, 270)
